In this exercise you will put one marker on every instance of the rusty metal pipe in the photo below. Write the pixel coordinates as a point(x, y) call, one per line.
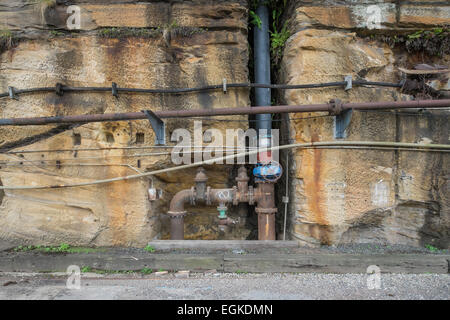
point(422, 104)
point(263, 195)
point(266, 210)
point(176, 214)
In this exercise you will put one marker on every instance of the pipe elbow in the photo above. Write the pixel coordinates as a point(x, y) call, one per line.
point(177, 203)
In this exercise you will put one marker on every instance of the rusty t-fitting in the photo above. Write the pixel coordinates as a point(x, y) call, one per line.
point(200, 183)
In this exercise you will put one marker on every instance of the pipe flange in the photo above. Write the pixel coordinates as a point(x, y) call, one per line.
point(193, 196)
point(235, 196)
point(266, 210)
point(176, 215)
point(335, 107)
point(251, 195)
point(201, 175)
point(208, 196)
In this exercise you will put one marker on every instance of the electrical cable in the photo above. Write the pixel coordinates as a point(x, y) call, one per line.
point(60, 89)
point(213, 160)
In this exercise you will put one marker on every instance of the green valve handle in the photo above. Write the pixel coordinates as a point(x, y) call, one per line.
point(222, 211)
point(222, 214)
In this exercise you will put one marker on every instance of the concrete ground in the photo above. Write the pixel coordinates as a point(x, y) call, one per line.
point(224, 286)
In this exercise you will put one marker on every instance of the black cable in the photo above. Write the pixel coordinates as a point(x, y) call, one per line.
point(60, 89)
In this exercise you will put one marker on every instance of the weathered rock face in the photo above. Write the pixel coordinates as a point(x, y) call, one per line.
point(337, 195)
point(208, 42)
point(343, 196)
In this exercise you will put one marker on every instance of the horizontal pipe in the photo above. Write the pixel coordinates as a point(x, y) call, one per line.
point(422, 104)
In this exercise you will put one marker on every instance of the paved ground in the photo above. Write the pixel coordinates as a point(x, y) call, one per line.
point(225, 286)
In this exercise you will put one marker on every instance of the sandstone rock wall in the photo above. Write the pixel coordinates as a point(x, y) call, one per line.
point(344, 196)
point(337, 196)
point(172, 44)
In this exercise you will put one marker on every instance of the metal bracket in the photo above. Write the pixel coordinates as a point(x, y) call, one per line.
point(348, 79)
point(159, 127)
point(12, 93)
point(115, 93)
point(342, 121)
point(59, 89)
point(224, 86)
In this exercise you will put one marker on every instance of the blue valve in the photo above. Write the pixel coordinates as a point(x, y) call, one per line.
point(268, 172)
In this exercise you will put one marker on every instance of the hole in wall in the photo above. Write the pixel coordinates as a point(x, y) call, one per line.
point(76, 139)
point(140, 137)
point(109, 137)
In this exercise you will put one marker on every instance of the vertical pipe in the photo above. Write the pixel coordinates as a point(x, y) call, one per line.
point(262, 67)
point(266, 203)
point(285, 200)
point(177, 227)
point(266, 211)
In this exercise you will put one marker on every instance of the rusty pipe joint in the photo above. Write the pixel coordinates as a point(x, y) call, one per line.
point(266, 210)
point(242, 185)
point(200, 184)
point(176, 213)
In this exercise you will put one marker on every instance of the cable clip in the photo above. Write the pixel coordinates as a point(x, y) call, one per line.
point(114, 90)
point(12, 93)
point(348, 79)
point(59, 90)
point(224, 86)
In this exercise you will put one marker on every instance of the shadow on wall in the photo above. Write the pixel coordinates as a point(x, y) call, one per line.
point(415, 223)
point(2, 193)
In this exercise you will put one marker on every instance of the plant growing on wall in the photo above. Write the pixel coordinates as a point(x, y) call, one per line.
point(7, 40)
point(435, 42)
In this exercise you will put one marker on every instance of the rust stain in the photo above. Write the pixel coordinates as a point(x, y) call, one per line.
point(313, 191)
point(115, 192)
point(314, 183)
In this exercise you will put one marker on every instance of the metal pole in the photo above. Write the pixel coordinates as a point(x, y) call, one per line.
point(285, 200)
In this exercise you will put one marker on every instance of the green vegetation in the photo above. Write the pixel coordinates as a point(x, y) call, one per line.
point(255, 19)
point(279, 32)
point(125, 32)
point(241, 272)
point(146, 270)
point(186, 31)
point(55, 33)
point(48, 3)
point(435, 42)
point(86, 269)
point(431, 248)
point(7, 40)
point(63, 248)
point(149, 248)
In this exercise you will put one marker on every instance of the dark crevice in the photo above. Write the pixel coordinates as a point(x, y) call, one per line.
point(38, 137)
